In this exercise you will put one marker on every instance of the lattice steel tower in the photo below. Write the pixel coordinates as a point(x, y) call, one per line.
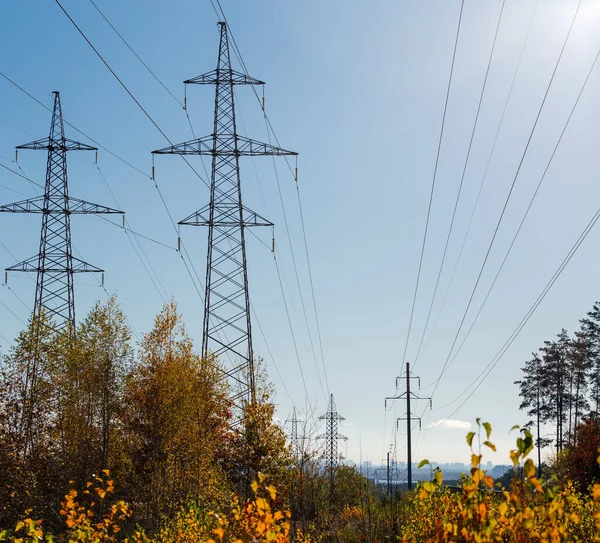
point(55, 264)
point(332, 419)
point(227, 328)
point(294, 440)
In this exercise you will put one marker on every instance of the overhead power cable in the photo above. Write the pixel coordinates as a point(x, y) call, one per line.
point(462, 179)
point(492, 364)
point(435, 170)
point(135, 54)
point(516, 176)
point(481, 184)
point(543, 176)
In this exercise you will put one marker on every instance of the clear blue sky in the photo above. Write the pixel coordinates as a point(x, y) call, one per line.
point(358, 90)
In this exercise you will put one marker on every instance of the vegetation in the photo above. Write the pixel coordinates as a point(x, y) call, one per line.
point(118, 444)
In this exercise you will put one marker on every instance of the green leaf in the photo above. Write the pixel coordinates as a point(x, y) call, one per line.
point(515, 427)
point(488, 429)
point(470, 437)
point(422, 463)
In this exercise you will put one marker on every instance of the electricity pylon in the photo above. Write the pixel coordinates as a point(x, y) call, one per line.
point(55, 264)
point(332, 419)
point(297, 450)
point(409, 418)
point(227, 328)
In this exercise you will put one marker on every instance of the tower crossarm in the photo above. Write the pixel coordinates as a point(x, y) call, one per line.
point(202, 217)
point(224, 145)
point(55, 205)
point(223, 77)
point(50, 144)
point(53, 264)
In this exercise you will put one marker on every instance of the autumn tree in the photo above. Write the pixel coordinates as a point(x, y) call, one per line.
point(89, 379)
point(177, 414)
point(581, 459)
point(28, 412)
point(259, 444)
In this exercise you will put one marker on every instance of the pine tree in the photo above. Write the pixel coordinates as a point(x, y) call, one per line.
point(590, 328)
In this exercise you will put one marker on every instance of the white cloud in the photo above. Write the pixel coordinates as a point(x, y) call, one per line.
point(452, 424)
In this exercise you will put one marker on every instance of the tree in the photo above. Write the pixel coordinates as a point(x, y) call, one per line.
point(89, 379)
point(259, 444)
point(535, 400)
point(554, 383)
point(581, 459)
point(590, 330)
point(176, 417)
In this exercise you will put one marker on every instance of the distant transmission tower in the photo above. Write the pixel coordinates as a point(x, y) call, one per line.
point(227, 329)
point(294, 440)
point(331, 436)
point(55, 263)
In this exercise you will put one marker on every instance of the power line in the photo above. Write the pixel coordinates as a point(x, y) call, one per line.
point(435, 170)
point(135, 54)
point(462, 179)
point(483, 179)
point(446, 363)
point(492, 364)
point(529, 205)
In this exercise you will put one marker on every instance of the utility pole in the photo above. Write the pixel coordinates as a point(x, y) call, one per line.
point(332, 419)
point(389, 488)
point(409, 418)
point(54, 264)
point(227, 328)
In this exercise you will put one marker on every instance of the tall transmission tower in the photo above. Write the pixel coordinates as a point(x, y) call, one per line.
point(227, 328)
point(408, 395)
point(55, 264)
point(332, 419)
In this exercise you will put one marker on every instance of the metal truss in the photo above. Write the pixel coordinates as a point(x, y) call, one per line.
point(332, 419)
point(55, 264)
point(227, 327)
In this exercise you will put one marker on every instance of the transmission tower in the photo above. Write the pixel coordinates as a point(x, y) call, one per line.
point(227, 329)
point(332, 419)
point(294, 440)
point(55, 263)
point(409, 418)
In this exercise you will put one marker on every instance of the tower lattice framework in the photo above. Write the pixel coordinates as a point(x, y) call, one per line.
point(54, 264)
point(227, 330)
point(332, 419)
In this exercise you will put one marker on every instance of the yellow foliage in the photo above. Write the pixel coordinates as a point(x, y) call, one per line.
point(528, 512)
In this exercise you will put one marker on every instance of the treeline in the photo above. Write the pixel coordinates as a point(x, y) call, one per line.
point(561, 382)
point(160, 419)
